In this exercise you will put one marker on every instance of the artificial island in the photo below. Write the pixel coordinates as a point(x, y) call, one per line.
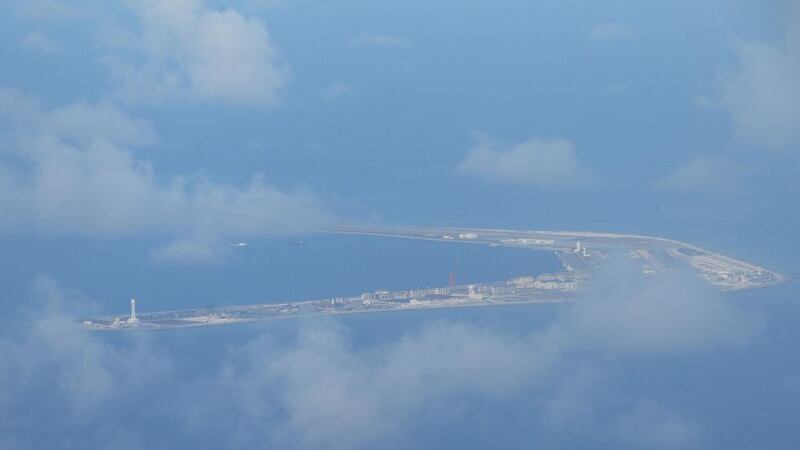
point(581, 255)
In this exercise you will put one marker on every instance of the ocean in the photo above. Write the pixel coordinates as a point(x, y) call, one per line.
point(109, 273)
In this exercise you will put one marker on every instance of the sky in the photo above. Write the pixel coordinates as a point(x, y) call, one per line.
point(160, 131)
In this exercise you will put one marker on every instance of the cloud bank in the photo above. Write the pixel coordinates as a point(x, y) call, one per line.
point(186, 52)
point(69, 171)
point(626, 313)
point(762, 93)
point(317, 389)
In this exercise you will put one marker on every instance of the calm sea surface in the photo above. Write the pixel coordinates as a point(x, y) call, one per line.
point(109, 273)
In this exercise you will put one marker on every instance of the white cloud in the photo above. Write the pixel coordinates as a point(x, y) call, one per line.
point(188, 251)
point(40, 42)
point(610, 31)
point(70, 174)
point(762, 94)
point(319, 389)
point(541, 163)
point(662, 319)
point(18, 110)
point(673, 313)
point(57, 378)
point(706, 176)
point(83, 123)
point(192, 54)
point(381, 40)
point(329, 394)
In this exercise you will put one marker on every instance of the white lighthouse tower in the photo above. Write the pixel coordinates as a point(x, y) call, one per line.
point(133, 318)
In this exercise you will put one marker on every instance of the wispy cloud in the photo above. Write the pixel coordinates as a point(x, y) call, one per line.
point(78, 176)
point(317, 389)
point(672, 313)
point(540, 163)
point(381, 40)
point(761, 94)
point(185, 52)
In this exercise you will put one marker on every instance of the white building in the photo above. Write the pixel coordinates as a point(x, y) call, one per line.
point(133, 318)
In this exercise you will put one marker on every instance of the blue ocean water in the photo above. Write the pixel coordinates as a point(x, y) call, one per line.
point(110, 272)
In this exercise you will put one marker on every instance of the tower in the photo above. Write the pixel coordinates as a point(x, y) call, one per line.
point(133, 311)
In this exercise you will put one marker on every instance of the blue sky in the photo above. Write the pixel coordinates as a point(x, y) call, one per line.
point(163, 130)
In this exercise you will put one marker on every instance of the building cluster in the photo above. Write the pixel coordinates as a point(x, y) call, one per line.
point(117, 322)
point(725, 277)
point(527, 241)
point(388, 296)
point(514, 286)
point(469, 236)
point(561, 282)
point(481, 291)
point(581, 249)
